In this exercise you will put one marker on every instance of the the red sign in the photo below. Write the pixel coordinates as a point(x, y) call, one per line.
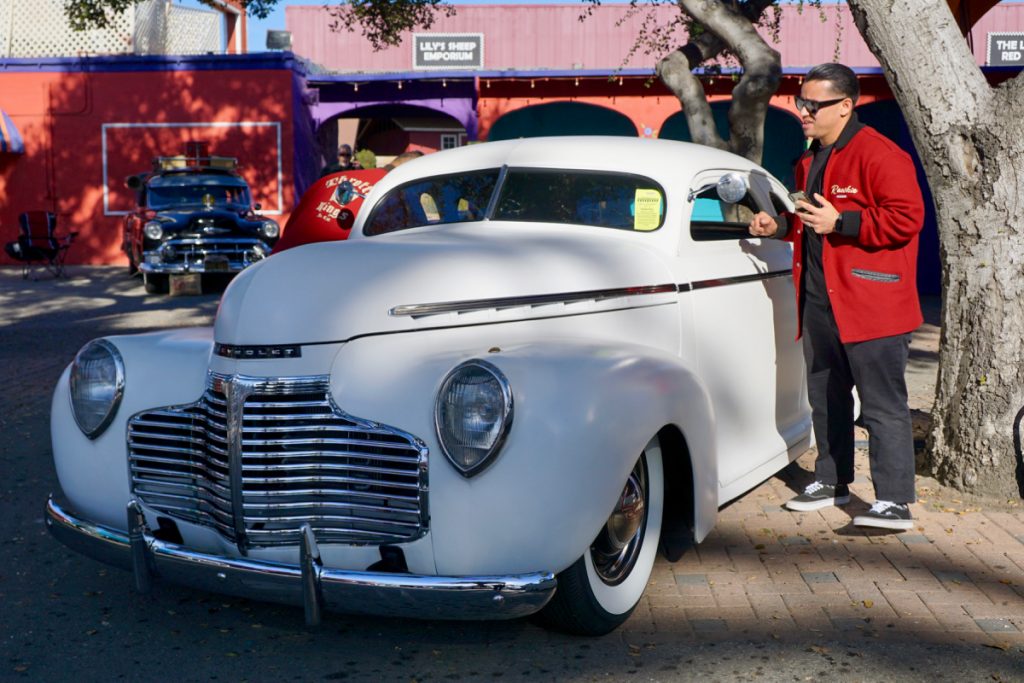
point(320, 217)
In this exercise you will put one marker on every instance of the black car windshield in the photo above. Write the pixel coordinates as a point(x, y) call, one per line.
point(168, 192)
point(591, 198)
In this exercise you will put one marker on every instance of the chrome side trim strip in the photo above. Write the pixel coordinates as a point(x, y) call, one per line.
point(734, 280)
point(469, 305)
point(466, 306)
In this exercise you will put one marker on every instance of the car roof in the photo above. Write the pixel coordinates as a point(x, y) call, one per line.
point(665, 161)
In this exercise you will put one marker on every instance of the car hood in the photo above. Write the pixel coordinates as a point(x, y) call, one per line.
point(334, 291)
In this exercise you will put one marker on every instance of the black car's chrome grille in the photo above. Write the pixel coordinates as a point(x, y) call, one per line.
point(194, 250)
point(257, 458)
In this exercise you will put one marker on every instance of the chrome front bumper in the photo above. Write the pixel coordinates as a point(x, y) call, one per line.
point(308, 583)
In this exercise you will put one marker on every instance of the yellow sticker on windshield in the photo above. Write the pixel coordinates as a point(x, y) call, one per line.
point(646, 210)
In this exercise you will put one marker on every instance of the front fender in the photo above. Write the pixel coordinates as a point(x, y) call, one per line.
point(583, 413)
point(161, 369)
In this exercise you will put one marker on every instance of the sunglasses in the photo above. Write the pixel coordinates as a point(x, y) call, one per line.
point(812, 106)
point(344, 154)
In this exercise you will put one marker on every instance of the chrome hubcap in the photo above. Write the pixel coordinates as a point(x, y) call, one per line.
point(616, 548)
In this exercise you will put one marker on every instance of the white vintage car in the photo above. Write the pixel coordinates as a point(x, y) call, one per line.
point(534, 363)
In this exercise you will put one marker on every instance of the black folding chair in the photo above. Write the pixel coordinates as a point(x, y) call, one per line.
point(39, 244)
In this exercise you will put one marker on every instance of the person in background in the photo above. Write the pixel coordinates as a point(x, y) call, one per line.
point(345, 162)
point(855, 238)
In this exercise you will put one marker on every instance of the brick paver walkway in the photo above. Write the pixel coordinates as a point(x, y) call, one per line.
point(767, 572)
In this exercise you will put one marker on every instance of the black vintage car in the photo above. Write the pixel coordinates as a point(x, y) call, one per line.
point(194, 215)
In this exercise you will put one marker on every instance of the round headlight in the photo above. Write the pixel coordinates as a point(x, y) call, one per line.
point(153, 230)
point(270, 229)
point(473, 415)
point(97, 384)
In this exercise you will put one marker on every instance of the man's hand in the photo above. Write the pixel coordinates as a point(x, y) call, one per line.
point(821, 219)
point(762, 225)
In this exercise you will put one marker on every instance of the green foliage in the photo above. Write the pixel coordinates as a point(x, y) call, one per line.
point(88, 14)
point(382, 22)
point(366, 158)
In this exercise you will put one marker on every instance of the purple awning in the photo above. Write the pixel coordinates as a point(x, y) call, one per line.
point(10, 138)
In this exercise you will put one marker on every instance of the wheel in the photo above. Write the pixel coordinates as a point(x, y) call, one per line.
point(155, 284)
point(603, 587)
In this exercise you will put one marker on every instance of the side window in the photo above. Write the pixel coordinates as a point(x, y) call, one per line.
point(599, 199)
point(712, 219)
point(430, 201)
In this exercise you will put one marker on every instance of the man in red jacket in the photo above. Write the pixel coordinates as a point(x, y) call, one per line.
point(855, 238)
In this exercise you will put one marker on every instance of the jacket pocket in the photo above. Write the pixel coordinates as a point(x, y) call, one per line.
point(875, 276)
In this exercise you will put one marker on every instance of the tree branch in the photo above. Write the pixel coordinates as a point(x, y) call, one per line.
point(762, 67)
point(674, 71)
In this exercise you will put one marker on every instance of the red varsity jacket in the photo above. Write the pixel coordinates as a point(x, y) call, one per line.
point(871, 268)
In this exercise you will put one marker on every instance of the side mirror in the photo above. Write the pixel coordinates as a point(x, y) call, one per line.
point(732, 187)
point(257, 206)
point(133, 182)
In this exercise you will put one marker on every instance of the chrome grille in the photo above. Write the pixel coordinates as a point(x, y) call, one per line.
point(193, 251)
point(257, 458)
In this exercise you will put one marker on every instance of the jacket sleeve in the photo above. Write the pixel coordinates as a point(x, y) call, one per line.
point(896, 213)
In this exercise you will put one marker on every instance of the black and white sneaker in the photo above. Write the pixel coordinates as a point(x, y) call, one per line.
point(818, 495)
point(886, 515)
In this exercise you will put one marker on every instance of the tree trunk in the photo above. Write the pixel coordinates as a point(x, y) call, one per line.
point(970, 137)
point(733, 29)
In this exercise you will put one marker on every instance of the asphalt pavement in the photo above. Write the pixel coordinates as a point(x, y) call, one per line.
point(771, 595)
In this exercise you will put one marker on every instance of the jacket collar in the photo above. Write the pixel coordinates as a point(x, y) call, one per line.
point(852, 127)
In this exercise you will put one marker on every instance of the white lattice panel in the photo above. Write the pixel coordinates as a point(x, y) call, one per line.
point(39, 28)
point(193, 32)
point(150, 29)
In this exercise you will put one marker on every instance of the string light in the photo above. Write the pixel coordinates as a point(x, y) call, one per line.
point(444, 83)
point(620, 80)
point(399, 85)
point(355, 87)
point(532, 84)
point(577, 82)
point(487, 83)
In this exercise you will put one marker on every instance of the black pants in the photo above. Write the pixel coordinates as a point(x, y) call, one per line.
point(876, 367)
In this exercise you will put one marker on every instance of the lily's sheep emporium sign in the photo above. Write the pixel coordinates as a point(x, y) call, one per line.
point(1006, 49)
point(448, 50)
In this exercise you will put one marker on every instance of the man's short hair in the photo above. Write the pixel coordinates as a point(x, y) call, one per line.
point(840, 77)
point(345, 147)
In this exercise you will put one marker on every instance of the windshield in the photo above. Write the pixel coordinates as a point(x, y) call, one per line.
point(167, 192)
point(592, 198)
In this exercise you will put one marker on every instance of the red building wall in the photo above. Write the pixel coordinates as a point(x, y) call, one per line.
point(85, 131)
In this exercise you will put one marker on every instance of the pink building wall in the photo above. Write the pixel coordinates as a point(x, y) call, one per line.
point(529, 37)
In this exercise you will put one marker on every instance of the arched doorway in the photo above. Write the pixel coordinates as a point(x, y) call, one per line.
point(784, 139)
point(561, 118)
point(390, 129)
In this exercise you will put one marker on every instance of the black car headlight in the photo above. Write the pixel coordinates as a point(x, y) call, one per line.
point(270, 229)
point(473, 415)
point(97, 384)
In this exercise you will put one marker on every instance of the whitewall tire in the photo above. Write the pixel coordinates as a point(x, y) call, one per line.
point(603, 587)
